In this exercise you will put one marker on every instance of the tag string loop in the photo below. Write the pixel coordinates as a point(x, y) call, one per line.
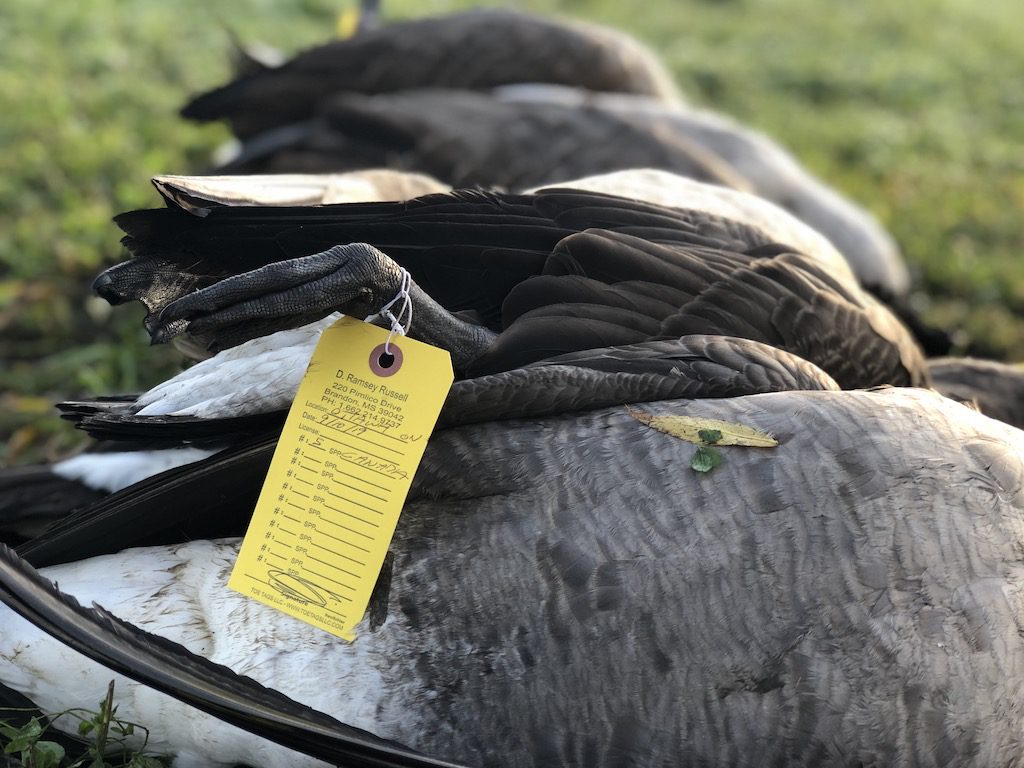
point(405, 310)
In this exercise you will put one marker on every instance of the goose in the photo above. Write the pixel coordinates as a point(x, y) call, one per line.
point(468, 138)
point(268, 368)
point(479, 48)
point(849, 597)
point(262, 374)
point(994, 388)
point(769, 169)
point(530, 275)
point(265, 371)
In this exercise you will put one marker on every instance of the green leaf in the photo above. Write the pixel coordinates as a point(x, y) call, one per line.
point(23, 738)
point(144, 761)
point(705, 458)
point(47, 754)
point(709, 436)
point(86, 726)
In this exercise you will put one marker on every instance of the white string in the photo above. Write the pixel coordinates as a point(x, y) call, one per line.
point(404, 310)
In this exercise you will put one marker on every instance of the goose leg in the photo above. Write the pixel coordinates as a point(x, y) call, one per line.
point(356, 279)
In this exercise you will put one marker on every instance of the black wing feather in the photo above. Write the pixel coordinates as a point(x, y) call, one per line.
point(477, 252)
point(206, 499)
point(473, 49)
point(172, 669)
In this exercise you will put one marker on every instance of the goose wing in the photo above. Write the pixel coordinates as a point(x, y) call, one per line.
point(474, 49)
point(996, 389)
point(481, 252)
point(215, 496)
point(209, 498)
point(212, 688)
point(467, 138)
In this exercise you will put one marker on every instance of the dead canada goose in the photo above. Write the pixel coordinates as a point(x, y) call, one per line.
point(264, 373)
point(468, 138)
point(776, 175)
point(769, 169)
point(524, 136)
point(261, 376)
point(849, 597)
point(473, 49)
point(221, 492)
point(474, 252)
point(996, 389)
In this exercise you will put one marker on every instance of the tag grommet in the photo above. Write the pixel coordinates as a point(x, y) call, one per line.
point(386, 359)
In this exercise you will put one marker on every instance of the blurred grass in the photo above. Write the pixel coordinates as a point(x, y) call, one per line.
point(915, 110)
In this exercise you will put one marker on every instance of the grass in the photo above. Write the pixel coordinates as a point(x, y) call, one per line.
point(911, 109)
point(104, 739)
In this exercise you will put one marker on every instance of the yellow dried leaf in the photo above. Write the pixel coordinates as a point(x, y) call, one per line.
point(689, 427)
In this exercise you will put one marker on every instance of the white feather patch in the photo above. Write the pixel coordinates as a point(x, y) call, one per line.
point(258, 376)
point(114, 471)
point(180, 592)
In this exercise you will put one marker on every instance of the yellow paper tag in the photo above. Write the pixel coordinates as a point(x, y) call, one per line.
point(347, 23)
point(353, 439)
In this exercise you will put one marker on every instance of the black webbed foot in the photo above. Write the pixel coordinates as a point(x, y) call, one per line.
point(356, 279)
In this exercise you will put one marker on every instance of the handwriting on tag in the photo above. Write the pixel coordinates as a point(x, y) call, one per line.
point(353, 439)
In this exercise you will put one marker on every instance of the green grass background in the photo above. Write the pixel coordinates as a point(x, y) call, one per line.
point(916, 110)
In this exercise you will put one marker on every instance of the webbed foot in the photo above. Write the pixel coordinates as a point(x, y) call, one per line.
point(356, 279)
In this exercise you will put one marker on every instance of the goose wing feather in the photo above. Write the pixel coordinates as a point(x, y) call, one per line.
point(466, 138)
point(32, 497)
point(996, 389)
point(209, 498)
point(172, 669)
point(475, 49)
point(215, 496)
point(850, 595)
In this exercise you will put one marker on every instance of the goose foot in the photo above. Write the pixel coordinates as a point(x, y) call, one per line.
point(356, 279)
